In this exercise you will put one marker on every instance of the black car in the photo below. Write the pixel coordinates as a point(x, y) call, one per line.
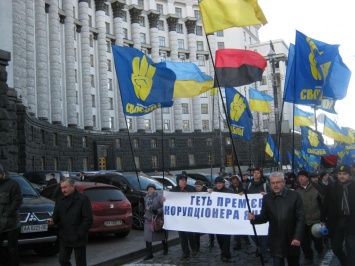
point(134, 188)
point(41, 177)
point(35, 233)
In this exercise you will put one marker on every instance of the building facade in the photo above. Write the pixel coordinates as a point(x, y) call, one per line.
point(62, 86)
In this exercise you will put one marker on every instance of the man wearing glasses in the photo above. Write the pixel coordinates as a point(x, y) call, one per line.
point(284, 211)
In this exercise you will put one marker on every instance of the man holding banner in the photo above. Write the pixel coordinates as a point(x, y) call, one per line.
point(284, 211)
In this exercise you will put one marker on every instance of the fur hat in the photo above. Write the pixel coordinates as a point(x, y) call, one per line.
point(344, 168)
point(198, 183)
point(219, 179)
point(303, 172)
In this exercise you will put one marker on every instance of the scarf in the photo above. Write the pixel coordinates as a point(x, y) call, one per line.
point(345, 209)
point(150, 201)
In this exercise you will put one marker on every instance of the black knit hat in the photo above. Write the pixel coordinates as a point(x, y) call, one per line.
point(303, 172)
point(219, 179)
point(344, 168)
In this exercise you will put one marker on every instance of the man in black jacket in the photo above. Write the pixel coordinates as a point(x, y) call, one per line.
point(338, 213)
point(10, 202)
point(73, 214)
point(283, 209)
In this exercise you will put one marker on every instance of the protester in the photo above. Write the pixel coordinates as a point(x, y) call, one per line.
point(81, 176)
point(245, 180)
point(223, 240)
point(186, 238)
point(153, 205)
point(258, 185)
point(52, 180)
point(199, 188)
point(284, 211)
point(338, 214)
point(73, 215)
point(10, 202)
point(325, 181)
point(312, 199)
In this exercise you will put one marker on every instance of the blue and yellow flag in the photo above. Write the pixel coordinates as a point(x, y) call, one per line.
point(239, 115)
point(333, 131)
point(302, 118)
point(272, 150)
point(259, 102)
point(312, 142)
point(144, 85)
point(222, 14)
point(190, 80)
point(313, 69)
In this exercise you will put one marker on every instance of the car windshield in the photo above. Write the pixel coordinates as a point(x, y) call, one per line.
point(104, 194)
point(26, 188)
point(143, 182)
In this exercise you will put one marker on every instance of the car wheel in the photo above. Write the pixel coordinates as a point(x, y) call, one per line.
point(47, 249)
point(122, 234)
point(138, 218)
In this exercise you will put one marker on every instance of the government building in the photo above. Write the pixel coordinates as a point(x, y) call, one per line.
point(60, 104)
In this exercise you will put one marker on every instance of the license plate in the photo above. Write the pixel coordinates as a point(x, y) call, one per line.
point(34, 228)
point(113, 223)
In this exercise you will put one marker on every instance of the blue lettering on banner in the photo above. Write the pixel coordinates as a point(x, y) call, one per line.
point(253, 203)
point(219, 201)
point(214, 213)
point(234, 203)
point(178, 211)
point(173, 210)
point(260, 202)
point(208, 213)
point(227, 201)
point(184, 210)
point(229, 213)
point(242, 203)
point(222, 213)
point(166, 210)
point(190, 211)
point(200, 201)
point(236, 215)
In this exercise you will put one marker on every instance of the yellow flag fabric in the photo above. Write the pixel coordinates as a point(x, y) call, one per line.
point(222, 14)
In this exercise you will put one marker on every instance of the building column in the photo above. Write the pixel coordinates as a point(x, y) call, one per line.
point(153, 18)
point(190, 23)
point(117, 8)
point(30, 58)
point(102, 58)
point(135, 12)
point(41, 82)
point(172, 24)
point(19, 49)
point(85, 64)
point(55, 65)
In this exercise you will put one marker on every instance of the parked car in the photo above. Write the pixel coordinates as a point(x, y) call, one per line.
point(35, 233)
point(42, 177)
point(134, 188)
point(207, 179)
point(111, 209)
point(170, 181)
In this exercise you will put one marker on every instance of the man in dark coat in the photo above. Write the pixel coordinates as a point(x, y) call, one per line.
point(186, 238)
point(73, 214)
point(10, 202)
point(283, 209)
point(338, 213)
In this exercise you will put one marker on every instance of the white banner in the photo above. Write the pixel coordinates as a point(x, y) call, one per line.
point(213, 213)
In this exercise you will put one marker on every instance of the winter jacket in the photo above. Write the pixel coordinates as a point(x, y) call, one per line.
point(223, 190)
point(285, 215)
point(74, 218)
point(10, 202)
point(188, 188)
point(257, 187)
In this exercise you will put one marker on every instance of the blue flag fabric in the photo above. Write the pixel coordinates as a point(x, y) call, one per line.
point(272, 150)
point(144, 85)
point(312, 142)
point(315, 71)
point(239, 115)
point(332, 130)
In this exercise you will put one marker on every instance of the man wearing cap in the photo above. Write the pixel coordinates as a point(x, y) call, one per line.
point(186, 238)
point(10, 202)
point(52, 180)
point(312, 199)
point(338, 214)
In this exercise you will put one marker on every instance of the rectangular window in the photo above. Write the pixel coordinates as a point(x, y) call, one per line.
point(108, 46)
point(130, 123)
point(75, 54)
point(204, 95)
point(210, 158)
point(245, 36)
point(148, 124)
point(55, 162)
point(172, 143)
point(160, 9)
point(94, 121)
point(228, 141)
point(161, 41)
point(143, 38)
point(93, 100)
point(85, 141)
point(199, 31)
point(43, 163)
point(220, 33)
point(76, 75)
point(111, 123)
point(125, 34)
point(136, 161)
point(162, 56)
point(110, 103)
point(118, 143)
point(209, 141)
point(249, 40)
point(141, 3)
point(42, 136)
point(91, 40)
point(109, 84)
point(92, 80)
point(191, 159)
point(197, 14)
point(91, 60)
point(107, 10)
point(109, 65)
point(201, 60)
point(69, 141)
point(166, 124)
point(172, 160)
point(124, 17)
point(186, 124)
point(90, 21)
point(153, 143)
point(220, 45)
point(141, 21)
point(199, 46)
point(190, 142)
point(204, 108)
point(185, 108)
point(85, 163)
point(107, 27)
point(180, 28)
point(135, 143)
point(55, 139)
point(205, 124)
point(181, 44)
point(154, 161)
point(119, 163)
point(160, 25)
point(166, 110)
point(263, 81)
point(178, 12)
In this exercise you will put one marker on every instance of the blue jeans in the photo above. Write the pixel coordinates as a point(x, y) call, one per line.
point(187, 238)
point(337, 241)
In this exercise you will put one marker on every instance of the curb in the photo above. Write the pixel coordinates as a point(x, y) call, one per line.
point(129, 257)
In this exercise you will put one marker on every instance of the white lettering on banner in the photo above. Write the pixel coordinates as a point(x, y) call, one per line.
point(212, 213)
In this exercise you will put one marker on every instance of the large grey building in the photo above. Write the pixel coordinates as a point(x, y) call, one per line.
point(61, 96)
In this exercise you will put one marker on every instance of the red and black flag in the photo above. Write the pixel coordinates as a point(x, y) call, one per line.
point(235, 67)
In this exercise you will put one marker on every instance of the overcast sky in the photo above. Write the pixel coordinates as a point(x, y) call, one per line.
point(324, 20)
